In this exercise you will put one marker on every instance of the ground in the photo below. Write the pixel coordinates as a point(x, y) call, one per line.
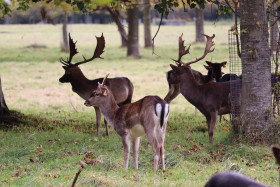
point(57, 130)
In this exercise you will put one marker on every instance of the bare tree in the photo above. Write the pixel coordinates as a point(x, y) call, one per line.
point(147, 23)
point(133, 29)
point(256, 109)
point(199, 25)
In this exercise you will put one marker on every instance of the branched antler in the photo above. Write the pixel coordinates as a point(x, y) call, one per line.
point(182, 51)
point(209, 45)
point(98, 50)
point(73, 51)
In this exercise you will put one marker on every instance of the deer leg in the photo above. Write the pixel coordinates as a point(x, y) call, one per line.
point(98, 119)
point(161, 138)
point(126, 150)
point(136, 144)
point(153, 141)
point(106, 125)
point(220, 118)
point(211, 126)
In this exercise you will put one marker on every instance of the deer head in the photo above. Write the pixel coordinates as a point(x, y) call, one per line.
point(216, 69)
point(72, 69)
point(99, 95)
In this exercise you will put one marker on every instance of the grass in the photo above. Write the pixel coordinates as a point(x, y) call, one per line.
point(58, 130)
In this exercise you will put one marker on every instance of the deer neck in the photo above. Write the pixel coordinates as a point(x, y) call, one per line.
point(81, 85)
point(190, 89)
point(109, 109)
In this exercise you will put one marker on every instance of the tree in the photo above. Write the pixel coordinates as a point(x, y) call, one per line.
point(133, 28)
point(147, 24)
point(118, 20)
point(256, 68)
point(199, 25)
point(4, 111)
point(274, 31)
point(64, 46)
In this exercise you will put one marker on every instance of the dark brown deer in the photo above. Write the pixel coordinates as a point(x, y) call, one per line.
point(234, 179)
point(131, 121)
point(174, 90)
point(210, 99)
point(121, 87)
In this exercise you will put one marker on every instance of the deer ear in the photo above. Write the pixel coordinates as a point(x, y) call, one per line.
point(210, 64)
point(224, 64)
point(207, 67)
point(105, 92)
point(64, 67)
point(175, 68)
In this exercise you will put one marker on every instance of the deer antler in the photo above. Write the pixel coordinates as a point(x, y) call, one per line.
point(104, 80)
point(209, 45)
point(98, 50)
point(73, 51)
point(182, 51)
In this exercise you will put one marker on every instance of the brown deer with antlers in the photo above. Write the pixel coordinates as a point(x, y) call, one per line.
point(131, 121)
point(210, 99)
point(121, 87)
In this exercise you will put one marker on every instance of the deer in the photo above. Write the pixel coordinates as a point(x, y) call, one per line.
point(233, 179)
point(212, 98)
point(148, 116)
point(173, 89)
point(121, 87)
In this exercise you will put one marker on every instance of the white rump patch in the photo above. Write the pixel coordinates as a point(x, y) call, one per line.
point(158, 110)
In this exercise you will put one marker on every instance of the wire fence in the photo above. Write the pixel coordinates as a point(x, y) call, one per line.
point(236, 71)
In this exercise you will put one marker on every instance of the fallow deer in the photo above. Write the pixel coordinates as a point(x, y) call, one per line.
point(121, 87)
point(174, 90)
point(210, 99)
point(148, 116)
point(233, 179)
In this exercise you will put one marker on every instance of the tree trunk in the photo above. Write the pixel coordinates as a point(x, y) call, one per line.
point(118, 20)
point(133, 27)
point(199, 25)
point(3, 107)
point(256, 109)
point(64, 45)
point(274, 32)
point(147, 23)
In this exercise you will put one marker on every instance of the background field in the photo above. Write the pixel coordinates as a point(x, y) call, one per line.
point(59, 130)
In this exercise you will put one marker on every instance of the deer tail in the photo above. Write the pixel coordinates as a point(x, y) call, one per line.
point(161, 110)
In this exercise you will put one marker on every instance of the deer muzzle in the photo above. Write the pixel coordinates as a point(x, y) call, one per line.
point(87, 103)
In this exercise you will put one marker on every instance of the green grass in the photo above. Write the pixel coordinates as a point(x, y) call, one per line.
point(59, 130)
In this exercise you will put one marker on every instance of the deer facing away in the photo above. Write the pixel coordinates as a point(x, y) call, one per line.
point(121, 87)
point(210, 99)
point(148, 116)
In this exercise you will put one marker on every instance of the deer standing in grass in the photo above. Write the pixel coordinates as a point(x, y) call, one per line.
point(121, 87)
point(234, 179)
point(148, 116)
point(174, 89)
point(210, 99)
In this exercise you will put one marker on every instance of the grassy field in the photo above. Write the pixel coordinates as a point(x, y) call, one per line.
point(58, 130)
